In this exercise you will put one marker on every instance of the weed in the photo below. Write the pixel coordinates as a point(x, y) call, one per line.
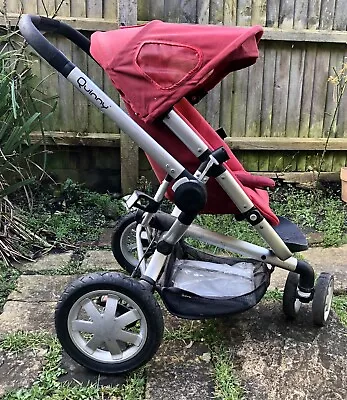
point(72, 213)
point(227, 385)
point(319, 209)
point(47, 384)
point(19, 341)
point(340, 307)
point(273, 295)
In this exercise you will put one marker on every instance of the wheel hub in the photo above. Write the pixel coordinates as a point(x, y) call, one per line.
point(104, 334)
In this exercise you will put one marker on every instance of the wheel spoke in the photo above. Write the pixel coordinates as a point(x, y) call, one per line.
point(111, 306)
point(129, 337)
point(83, 326)
point(95, 342)
point(91, 310)
point(113, 347)
point(127, 318)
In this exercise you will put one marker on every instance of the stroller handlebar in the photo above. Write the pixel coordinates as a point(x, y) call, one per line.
point(30, 27)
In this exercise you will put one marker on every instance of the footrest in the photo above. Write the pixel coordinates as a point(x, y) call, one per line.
point(292, 235)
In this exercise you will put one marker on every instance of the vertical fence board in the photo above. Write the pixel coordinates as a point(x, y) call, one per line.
point(110, 10)
point(46, 7)
point(172, 10)
point(314, 7)
point(95, 117)
point(229, 18)
point(214, 97)
point(280, 98)
point(272, 13)
point(286, 14)
point(79, 58)
point(300, 14)
point(340, 18)
point(187, 11)
point(340, 158)
point(203, 16)
point(129, 150)
point(156, 9)
point(296, 76)
point(79, 8)
point(327, 14)
point(306, 101)
point(62, 8)
point(321, 73)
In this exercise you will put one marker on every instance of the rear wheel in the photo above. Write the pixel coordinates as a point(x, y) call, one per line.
point(322, 299)
point(291, 304)
point(123, 243)
point(109, 323)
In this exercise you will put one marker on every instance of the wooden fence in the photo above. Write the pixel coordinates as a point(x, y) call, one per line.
point(277, 112)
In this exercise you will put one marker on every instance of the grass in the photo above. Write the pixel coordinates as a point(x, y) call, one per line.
point(227, 384)
point(340, 307)
point(47, 386)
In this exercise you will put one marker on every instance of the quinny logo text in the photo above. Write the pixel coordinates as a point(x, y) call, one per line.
point(82, 83)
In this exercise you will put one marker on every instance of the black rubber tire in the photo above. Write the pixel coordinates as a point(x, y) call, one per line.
point(321, 292)
point(121, 225)
point(290, 296)
point(123, 284)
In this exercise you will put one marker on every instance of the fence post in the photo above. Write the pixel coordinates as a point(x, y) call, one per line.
point(129, 151)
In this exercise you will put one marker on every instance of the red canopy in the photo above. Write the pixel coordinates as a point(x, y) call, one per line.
point(153, 66)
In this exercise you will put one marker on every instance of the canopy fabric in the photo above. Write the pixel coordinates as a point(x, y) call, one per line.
point(155, 65)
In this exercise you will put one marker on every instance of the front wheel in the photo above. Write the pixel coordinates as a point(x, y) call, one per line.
point(109, 323)
point(291, 303)
point(322, 299)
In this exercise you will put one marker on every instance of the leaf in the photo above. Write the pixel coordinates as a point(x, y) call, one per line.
point(15, 186)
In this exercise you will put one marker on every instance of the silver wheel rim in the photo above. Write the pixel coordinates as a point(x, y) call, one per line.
point(297, 305)
point(328, 300)
point(107, 326)
point(128, 244)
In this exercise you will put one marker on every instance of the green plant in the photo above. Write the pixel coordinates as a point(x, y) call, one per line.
point(340, 307)
point(19, 116)
point(71, 213)
point(227, 384)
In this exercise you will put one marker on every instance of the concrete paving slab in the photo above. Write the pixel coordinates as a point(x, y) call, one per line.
point(332, 260)
point(75, 373)
point(105, 237)
point(277, 359)
point(27, 316)
point(178, 373)
point(100, 260)
point(49, 262)
point(40, 288)
point(19, 370)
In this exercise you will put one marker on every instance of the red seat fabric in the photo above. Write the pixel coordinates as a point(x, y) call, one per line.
point(218, 201)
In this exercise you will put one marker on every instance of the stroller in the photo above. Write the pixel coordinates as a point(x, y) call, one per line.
point(111, 322)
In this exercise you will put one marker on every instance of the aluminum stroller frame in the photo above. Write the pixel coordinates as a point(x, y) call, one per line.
point(127, 301)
